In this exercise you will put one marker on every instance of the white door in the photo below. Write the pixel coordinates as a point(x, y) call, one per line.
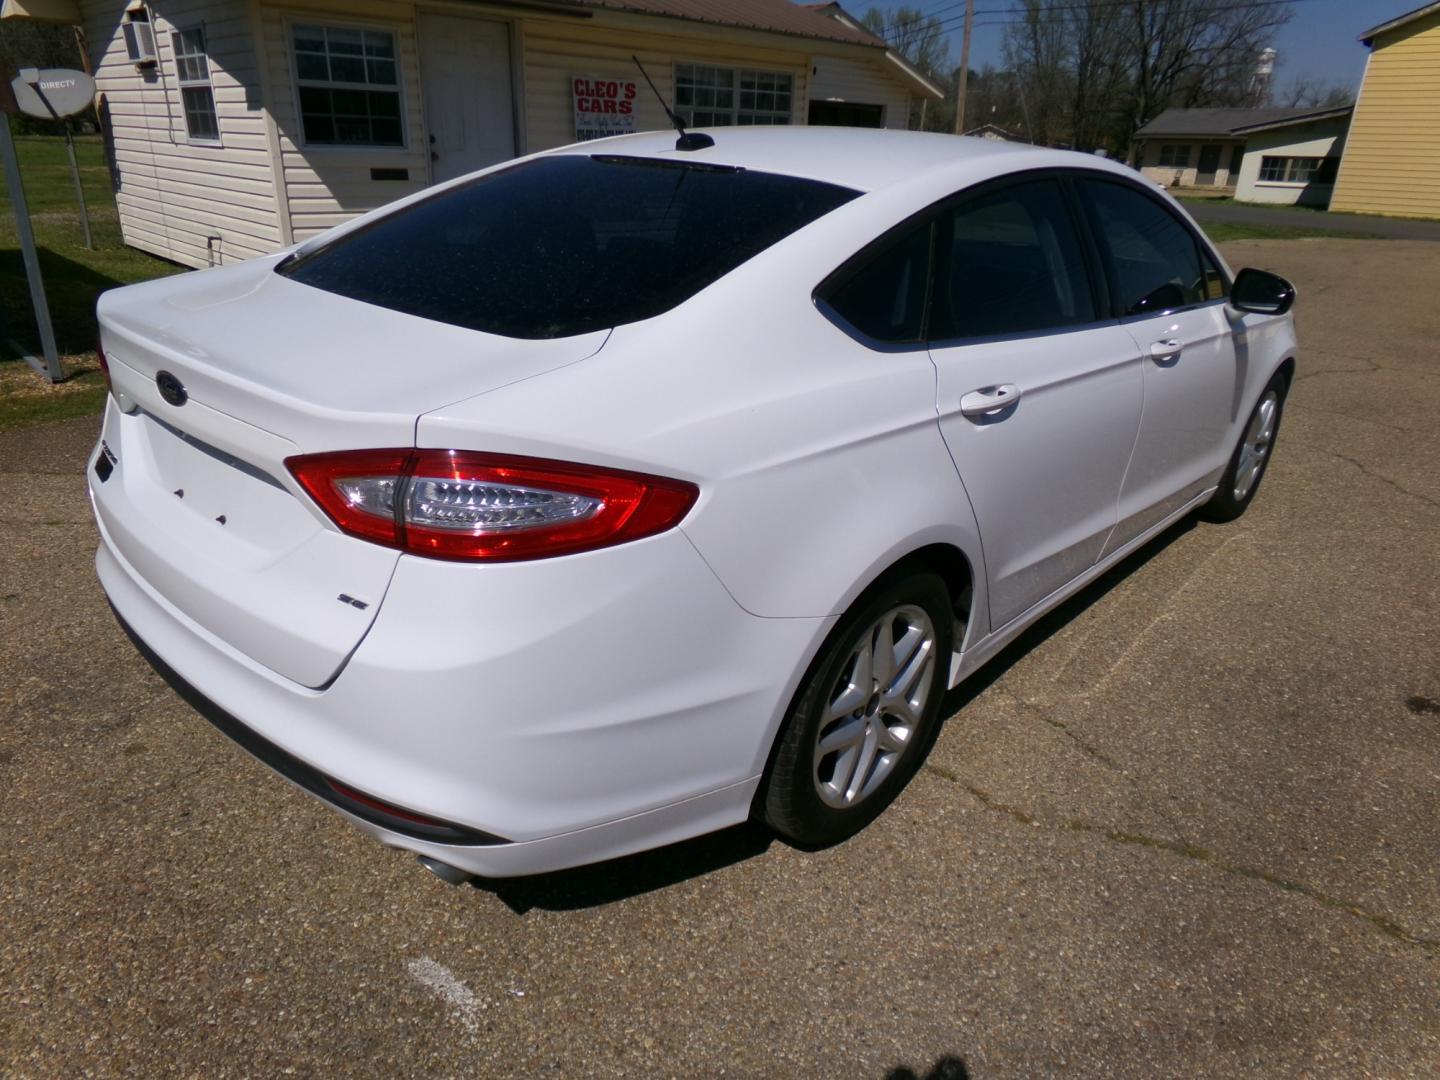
point(1039, 392)
point(1171, 297)
point(465, 77)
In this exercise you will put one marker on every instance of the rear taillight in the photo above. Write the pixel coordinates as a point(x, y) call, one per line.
point(454, 504)
point(104, 367)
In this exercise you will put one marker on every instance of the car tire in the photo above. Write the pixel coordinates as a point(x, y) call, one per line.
point(1251, 456)
point(860, 727)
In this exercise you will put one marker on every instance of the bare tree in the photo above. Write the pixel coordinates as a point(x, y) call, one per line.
point(1096, 70)
point(1310, 93)
point(920, 38)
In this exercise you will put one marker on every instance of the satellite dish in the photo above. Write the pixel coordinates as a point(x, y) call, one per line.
point(51, 93)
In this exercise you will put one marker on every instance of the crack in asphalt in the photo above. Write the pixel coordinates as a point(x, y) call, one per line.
point(1372, 474)
point(1186, 850)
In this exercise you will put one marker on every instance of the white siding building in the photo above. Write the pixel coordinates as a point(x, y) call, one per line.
point(241, 126)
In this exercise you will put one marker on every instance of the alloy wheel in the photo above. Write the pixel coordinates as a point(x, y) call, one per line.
point(876, 706)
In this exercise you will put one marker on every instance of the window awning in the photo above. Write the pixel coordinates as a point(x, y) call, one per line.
point(56, 11)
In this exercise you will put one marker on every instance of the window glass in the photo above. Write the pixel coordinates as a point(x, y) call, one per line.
point(349, 89)
point(196, 97)
point(1010, 263)
point(566, 245)
point(1174, 156)
point(721, 97)
point(1154, 261)
point(885, 300)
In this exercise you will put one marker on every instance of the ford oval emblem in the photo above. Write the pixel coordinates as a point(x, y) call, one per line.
point(171, 388)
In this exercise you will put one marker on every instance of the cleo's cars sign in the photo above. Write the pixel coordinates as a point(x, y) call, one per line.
point(603, 107)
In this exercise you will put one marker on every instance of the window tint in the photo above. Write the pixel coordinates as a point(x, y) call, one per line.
point(1154, 261)
point(565, 245)
point(1010, 263)
point(885, 299)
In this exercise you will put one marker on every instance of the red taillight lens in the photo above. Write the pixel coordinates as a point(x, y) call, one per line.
point(454, 504)
point(104, 367)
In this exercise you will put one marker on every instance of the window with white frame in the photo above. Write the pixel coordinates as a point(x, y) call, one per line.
point(1174, 155)
point(348, 85)
point(1298, 170)
point(720, 97)
point(196, 95)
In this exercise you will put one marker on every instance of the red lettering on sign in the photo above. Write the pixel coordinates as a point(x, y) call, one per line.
point(625, 107)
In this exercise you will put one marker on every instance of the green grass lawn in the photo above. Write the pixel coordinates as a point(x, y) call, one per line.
point(1221, 231)
point(74, 277)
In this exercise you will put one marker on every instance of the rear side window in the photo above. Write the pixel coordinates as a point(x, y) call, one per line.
point(566, 245)
point(1154, 262)
point(885, 298)
point(1010, 263)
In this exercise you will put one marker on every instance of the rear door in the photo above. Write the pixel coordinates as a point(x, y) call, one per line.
point(1039, 389)
point(1171, 296)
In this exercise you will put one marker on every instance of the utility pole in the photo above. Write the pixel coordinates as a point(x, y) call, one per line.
point(964, 67)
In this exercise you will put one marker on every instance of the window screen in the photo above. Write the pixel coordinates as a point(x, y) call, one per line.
point(1153, 260)
point(566, 245)
point(1011, 263)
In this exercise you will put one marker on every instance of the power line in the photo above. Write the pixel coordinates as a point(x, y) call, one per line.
point(1014, 16)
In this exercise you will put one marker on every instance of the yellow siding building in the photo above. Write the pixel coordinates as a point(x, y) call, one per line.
point(1392, 160)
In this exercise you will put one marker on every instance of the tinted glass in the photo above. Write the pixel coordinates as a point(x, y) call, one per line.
point(1153, 260)
point(1010, 263)
point(885, 300)
point(566, 245)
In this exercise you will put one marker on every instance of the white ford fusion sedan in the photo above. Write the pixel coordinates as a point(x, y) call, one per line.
point(623, 492)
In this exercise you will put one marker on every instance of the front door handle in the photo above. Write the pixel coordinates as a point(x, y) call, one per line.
point(1166, 350)
point(989, 400)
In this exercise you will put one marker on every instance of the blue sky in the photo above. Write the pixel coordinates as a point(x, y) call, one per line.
point(1318, 43)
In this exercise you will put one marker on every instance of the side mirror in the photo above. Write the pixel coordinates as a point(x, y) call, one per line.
point(1261, 292)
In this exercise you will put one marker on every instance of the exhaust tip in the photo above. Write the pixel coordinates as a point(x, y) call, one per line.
point(451, 875)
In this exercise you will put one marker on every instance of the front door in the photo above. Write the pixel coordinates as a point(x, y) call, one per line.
point(1209, 165)
point(465, 78)
point(1171, 297)
point(1039, 392)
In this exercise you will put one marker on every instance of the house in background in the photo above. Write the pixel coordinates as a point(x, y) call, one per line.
point(238, 127)
point(1392, 165)
point(1259, 155)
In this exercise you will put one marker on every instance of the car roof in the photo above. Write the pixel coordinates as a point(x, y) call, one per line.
point(865, 159)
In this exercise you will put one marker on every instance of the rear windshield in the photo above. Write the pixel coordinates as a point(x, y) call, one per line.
point(566, 245)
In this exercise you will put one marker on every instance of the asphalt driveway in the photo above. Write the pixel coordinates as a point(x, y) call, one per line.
point(1189, 825)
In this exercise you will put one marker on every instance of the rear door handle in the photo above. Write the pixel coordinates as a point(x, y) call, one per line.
point(989, 399)
point(1166, 350)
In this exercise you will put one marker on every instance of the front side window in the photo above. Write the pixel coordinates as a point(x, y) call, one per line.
point(1010, 263)
point(566, 245)
point(196, 95)
point(722, 97)
point(1154, 262)
point(348, 85)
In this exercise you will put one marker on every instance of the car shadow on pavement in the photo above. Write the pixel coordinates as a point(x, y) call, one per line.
point(649, 871)
point(1057, 618)
point(632, 875)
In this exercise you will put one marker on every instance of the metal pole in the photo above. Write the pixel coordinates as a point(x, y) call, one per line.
point(74, 168)
point(79, 191)
point(51, 367)
point(964, 68)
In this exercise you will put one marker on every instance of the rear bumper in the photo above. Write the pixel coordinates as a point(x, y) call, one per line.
point(558, 712)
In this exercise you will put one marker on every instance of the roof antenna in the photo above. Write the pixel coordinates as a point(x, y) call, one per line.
point(687, 140)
